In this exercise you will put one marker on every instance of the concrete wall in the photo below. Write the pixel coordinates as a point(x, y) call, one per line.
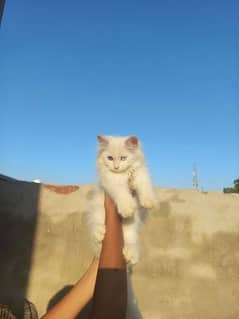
point(190, 260)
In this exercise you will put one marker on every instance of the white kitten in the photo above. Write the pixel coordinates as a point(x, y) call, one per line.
point(124, 176)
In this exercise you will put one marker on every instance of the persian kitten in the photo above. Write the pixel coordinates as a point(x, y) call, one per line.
point(123, 174)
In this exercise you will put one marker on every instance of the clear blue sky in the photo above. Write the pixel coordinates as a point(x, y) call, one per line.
point(167, 71)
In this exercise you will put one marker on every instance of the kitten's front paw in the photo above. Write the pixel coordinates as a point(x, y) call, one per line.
point(148, 201)
point(99, 233)
point(131, 254)
point(127, 210)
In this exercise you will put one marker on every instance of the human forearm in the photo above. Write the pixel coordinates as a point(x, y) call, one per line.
point(111, 254)
point(110, 296)
point(77, 298)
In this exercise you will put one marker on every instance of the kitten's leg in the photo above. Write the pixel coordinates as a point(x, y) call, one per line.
point(131, 245)
point(145, 190)
point(126, 203)
point(123, 199)
point(96, 220)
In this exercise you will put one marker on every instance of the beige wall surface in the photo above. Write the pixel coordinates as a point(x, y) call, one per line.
point(190, 251)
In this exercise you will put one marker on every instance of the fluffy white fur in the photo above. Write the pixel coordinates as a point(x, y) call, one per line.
point(123, 174)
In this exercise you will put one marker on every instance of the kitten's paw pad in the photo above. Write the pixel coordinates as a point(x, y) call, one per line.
point(127, 210)
point(99, 233)
point(131, 255)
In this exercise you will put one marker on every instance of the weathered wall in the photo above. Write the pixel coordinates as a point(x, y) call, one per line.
point(190, 259)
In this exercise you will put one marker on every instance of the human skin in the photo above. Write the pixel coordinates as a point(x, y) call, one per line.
point(111, 258)
point(71, 305)
point(112, 249)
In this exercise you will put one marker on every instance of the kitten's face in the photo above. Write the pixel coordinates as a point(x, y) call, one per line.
point(117, 153)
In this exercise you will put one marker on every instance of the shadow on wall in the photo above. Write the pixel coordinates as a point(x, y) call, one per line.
point(61, 294)
point(18, 219)
point(132, 308)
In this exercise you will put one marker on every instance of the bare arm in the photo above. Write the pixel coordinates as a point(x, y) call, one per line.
point(111, 258)
point(110, 295)
point(111, 255)
point(70, 306)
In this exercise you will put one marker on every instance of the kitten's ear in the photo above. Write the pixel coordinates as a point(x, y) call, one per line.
point(102, 140)
point(132, 142)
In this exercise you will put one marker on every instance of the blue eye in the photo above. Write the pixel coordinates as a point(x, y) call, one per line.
point(123, 158)
point(110, 158)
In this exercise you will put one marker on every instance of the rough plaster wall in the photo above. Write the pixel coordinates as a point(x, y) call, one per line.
point(190, 259)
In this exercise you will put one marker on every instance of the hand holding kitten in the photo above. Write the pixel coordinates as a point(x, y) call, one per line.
point(123, 174)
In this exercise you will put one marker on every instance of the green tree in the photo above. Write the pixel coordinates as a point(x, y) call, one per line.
point(234, 189)
point(236, 185)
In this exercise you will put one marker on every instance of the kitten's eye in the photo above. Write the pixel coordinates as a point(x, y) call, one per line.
point(110, 158)
point(123, 158)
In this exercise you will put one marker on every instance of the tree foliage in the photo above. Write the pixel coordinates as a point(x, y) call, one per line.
point(234, 189)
